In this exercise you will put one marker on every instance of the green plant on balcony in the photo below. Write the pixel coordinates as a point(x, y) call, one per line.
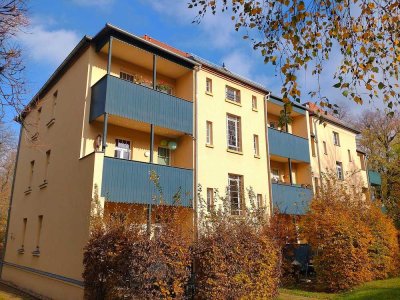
point(164, 88)
point(285, 117)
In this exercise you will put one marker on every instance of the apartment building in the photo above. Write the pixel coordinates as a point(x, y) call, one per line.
point(122, 108)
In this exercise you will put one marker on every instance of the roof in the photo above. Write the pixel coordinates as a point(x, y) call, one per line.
point(315, 110)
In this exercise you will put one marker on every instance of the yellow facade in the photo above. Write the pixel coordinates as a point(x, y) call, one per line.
point(61, 161)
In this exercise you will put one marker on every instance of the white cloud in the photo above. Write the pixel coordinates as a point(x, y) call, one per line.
point(239, 63)
point(217, 30)
point(97, 3)
point(49, 46)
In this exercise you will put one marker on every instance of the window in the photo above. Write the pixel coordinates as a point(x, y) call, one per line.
point(254, 102)
point(256, 146)
point(235, 185)
point(260, 202)
point(24, 222)
point(31, 174)
point(275, 175)
point(38, 234)
point(209, 85)
point(234, 133)
point(210, 199)
point(336, 140)
point(313, 147)
point(122, 149)
point(316, 185)
point(53, 109)
point(349, 154)
point(232, 94)
point(325, 149)
point(362, 162)
point(126, 76)
point(209, 128)
point(39, 113)
point(47, 164)
point(163, 156)
point(339, 170)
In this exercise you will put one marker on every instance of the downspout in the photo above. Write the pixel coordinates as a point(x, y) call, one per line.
point(271, 204)
point(318, 156)
point(10, 203)
point(196, 159)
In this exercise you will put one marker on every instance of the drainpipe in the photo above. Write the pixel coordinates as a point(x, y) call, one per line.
point(318, 156)
point(289, 159)
point(271, 204)
point(10, 203)
point(196, 159)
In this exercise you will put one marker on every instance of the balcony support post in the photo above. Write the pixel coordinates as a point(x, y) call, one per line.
point(105, 127)
point(290, 170)
point(151, 143)
point(109, 55)
point(154, 71)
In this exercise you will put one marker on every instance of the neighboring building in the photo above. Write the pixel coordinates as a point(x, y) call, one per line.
point(121, 106)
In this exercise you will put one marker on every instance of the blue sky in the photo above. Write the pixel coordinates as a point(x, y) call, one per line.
point(56, 26)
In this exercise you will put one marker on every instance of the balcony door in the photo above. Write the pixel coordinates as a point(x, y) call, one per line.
point(122, 149)
point(164, 156)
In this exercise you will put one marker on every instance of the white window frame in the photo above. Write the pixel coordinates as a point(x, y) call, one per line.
point(260, 201)
point(336, 139)
point(339, 170)
point(123, 150)
point(210, 199)
point(169, 154)
point(256, 145)
point(234, 179)
point(325, 148)
point(209, 85)
point(275, 177)
point(236, 134)
point(254, 103)
point(209, 133)
point(232, 94)
point(126, 76)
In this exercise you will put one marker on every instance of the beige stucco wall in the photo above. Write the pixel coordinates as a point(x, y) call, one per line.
point(352, 170)
point(215, 163)
point(64, 203)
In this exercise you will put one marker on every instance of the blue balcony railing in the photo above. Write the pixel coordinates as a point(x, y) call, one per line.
point(291, 199)
point(374, 178)
point(125, 99)
point(127, 181)
point(288, 145)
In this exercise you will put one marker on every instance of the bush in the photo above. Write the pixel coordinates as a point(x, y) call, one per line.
point(121, 261)
point(384, 250)
point(353, 240)
point(234, 256)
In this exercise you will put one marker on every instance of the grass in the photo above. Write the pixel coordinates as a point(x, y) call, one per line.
point(378, 290)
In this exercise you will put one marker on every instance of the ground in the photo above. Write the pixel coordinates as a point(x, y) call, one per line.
point(9, 293)
point(377, 290)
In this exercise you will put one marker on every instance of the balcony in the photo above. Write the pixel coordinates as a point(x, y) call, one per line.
point(288, 145)
point(291, 199)
point(374, 178)
point(126, 181)
point(124, 99)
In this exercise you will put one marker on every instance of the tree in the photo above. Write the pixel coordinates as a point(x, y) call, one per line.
point(12, 86)
point(295, 35)
point(380, 139)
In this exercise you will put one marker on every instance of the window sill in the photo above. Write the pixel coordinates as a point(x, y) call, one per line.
point(35, 136)
point(28, 191)
point(36, 253)
point(43, 185)
point(51, 122)
point(21, 251)
point(254, 109)
point(257, 156)
point(234, 151)
point(233, 102)
point(209, 94)
point(209, 146)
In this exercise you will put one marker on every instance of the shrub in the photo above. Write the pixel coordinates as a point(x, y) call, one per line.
point(234, 256)
point(121, 261)
point(384, 250)
point(340, 238)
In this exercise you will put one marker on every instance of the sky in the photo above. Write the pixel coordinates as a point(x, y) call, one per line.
point(57, 26)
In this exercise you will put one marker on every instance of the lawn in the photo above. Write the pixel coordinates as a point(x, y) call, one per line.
point(380, 289)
